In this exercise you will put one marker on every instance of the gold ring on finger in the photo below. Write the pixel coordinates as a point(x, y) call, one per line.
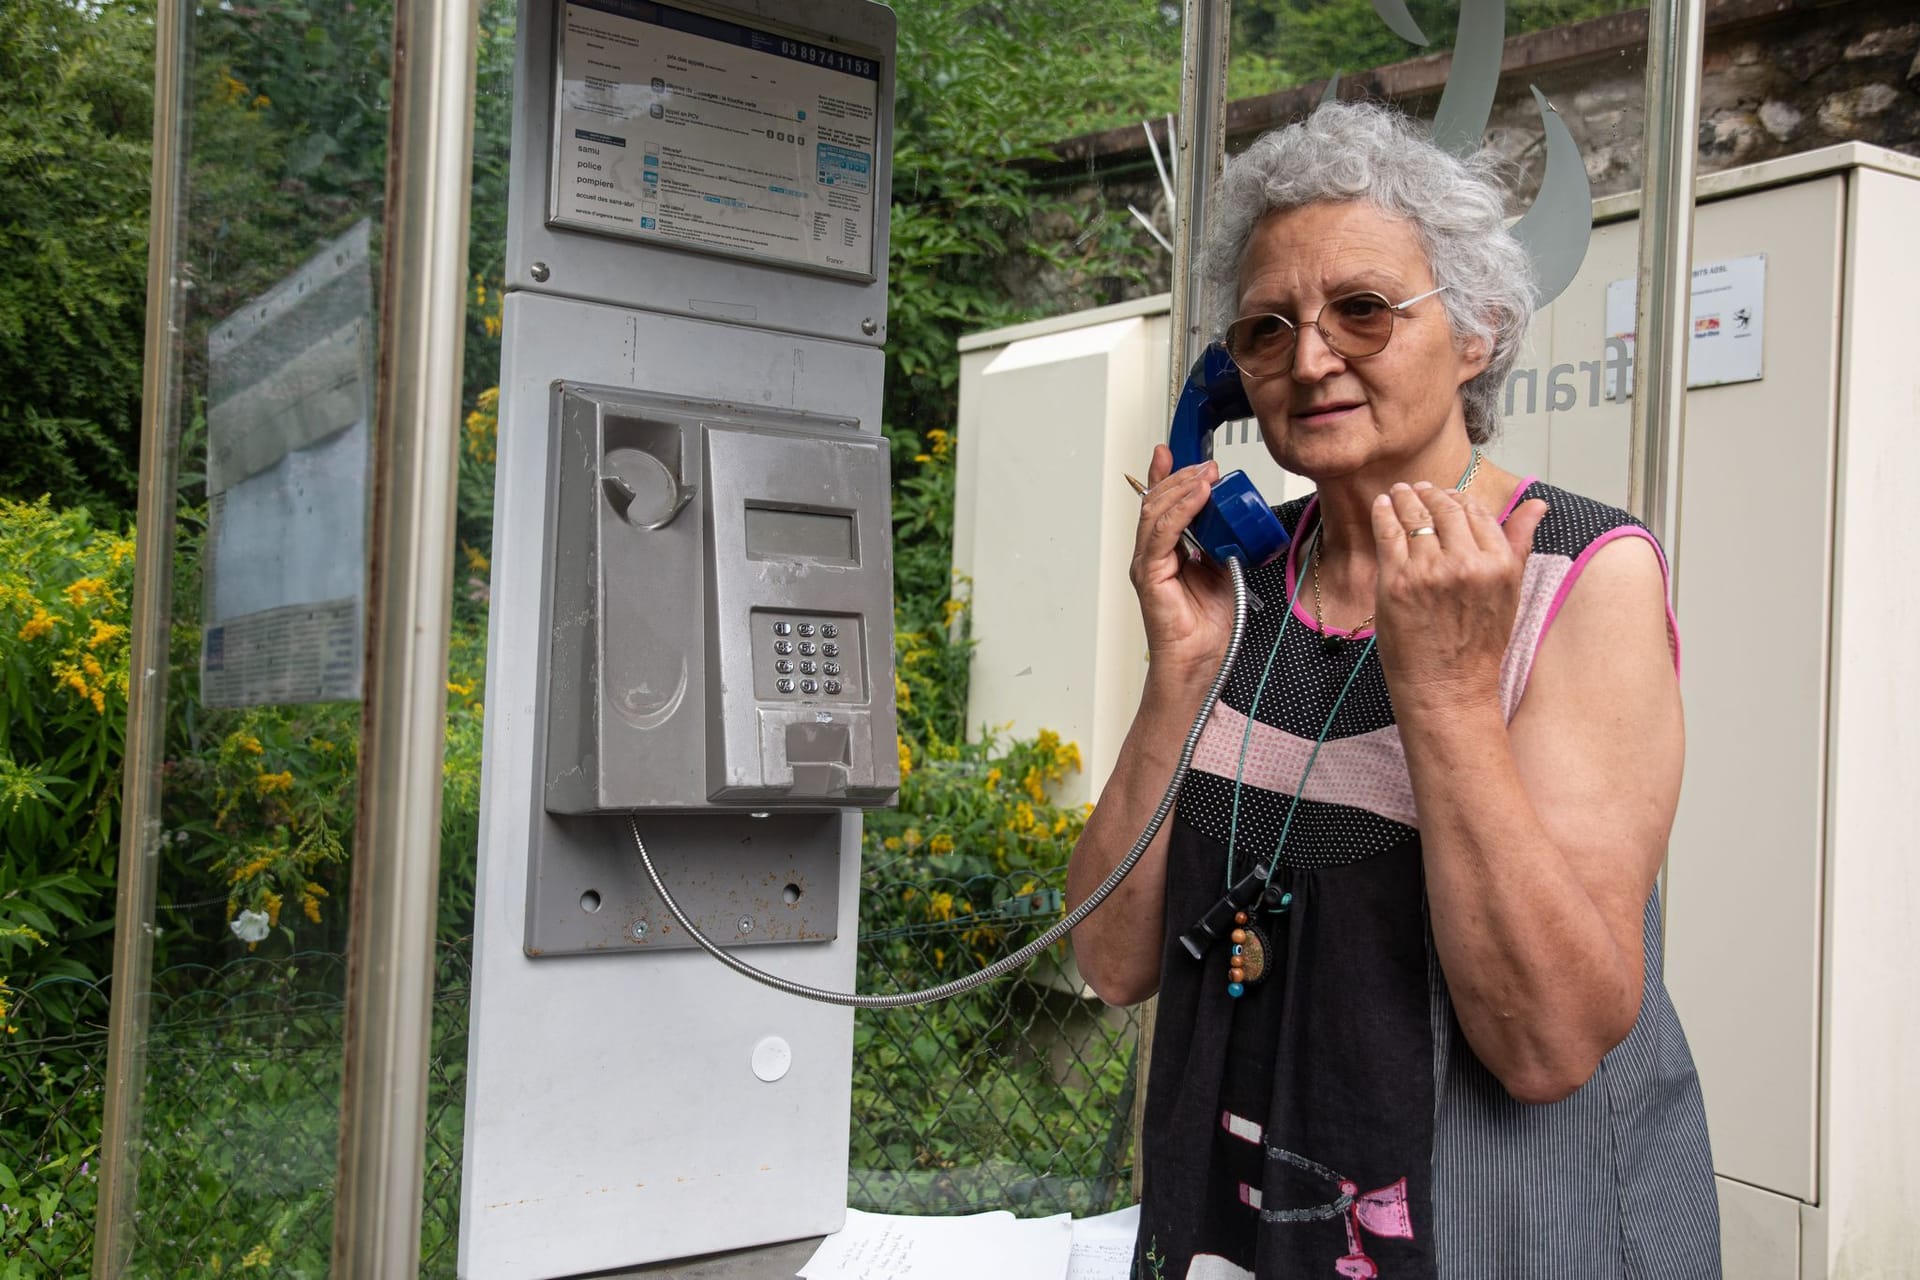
point(1424, 531)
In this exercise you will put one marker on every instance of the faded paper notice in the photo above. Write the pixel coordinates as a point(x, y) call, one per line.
point(298, 653)
point(288, 406)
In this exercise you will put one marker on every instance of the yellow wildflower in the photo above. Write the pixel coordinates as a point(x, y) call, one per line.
point(939, 441)
point(488, 400)
point(940, 906)
point(81, 590)
point(268, 783)
point(248, 871)
point(911, 837)
point(1060, 825)
point(940, 844)
point(310, 901)
point(104, 633)
point(258, 1256)
point(906, 758)
point(273, 910)
point(261, 100)
point(120, 550)
point(1031, 784)
point(993, 779)
point(459, 690)
point(922, 457)
point(1023, 819)
point(892, 845)
point(939, 956)
point(248, 743)
point(91, 665)
point(38, 625)
point(476, 561)
point(902, 696)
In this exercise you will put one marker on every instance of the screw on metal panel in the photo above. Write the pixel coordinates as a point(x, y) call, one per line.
point(539, 272)
point(869, 326)
point(639, 930)
point(746, 924)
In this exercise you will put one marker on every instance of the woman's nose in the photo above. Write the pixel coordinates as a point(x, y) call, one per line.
point(1313, 358)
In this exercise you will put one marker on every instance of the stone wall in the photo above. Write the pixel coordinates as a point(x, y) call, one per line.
point(1779, 77)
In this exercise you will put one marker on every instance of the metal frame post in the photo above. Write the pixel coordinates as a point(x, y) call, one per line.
point(1200, 154)
point(1663, 320)
point(390, 954)
point(151, 625)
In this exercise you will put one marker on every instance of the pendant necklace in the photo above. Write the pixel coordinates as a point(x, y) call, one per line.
point(1250, 957)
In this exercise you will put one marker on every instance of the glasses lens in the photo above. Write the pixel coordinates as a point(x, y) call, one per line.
point(1357, 325)
point(1260, 345)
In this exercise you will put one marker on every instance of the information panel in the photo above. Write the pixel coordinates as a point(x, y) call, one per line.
point(689, 130)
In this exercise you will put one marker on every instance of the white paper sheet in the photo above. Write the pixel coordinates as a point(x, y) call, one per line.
point(1103, 1246)
point(879, 1246)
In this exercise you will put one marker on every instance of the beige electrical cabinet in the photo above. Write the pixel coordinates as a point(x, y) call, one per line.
point(1793, 884)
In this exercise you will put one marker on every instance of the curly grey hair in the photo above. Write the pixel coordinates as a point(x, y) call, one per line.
point(1362, 151)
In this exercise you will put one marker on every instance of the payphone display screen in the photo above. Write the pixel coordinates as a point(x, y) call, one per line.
point(697, 132)
point(777, 534)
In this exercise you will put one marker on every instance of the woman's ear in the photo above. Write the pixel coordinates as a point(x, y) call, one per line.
point(1475, 355)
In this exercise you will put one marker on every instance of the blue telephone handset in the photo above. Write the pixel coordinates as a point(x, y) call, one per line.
point(1236, 521)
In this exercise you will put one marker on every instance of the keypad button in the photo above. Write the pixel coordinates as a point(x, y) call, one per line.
point(828, 630)
point(806, 668)
point(783, 646)
point(829, 650)
point(784, 667)
point(806, 648)
point(809, 686)
point(832, 668)
point(782, 628)
point(785, 686)
point(833, 686)
point(805, 628)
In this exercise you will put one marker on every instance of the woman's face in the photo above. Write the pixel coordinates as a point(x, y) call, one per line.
point(1332, 416)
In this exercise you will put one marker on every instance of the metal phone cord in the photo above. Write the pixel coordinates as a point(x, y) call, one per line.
point(901, 999)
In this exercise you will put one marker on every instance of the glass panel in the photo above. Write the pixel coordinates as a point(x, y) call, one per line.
point(280, 259)
point(1018, 1095)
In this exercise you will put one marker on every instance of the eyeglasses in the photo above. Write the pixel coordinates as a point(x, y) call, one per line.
point(1355, 326)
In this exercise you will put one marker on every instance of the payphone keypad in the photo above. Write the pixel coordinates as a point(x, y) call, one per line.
point(804, 657)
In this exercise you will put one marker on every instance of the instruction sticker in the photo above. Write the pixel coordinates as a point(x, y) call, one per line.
point(679, 128)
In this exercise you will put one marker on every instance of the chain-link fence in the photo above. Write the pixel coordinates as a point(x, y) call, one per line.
point(1017, 1095)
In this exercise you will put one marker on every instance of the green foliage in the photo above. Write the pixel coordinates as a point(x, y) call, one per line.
point(983, 89)
point(74, 160)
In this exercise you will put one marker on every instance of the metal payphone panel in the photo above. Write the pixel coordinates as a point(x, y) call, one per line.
point(721, 605)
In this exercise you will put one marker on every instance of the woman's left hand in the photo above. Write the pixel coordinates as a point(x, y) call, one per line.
point(1444, 601)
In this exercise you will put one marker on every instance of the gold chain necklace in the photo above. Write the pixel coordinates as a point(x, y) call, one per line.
point(1466, 479)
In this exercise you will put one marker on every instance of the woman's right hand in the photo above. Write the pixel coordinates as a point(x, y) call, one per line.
point(1187, 605)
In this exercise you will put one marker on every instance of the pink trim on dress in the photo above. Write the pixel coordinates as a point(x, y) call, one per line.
point(1522, 649)
point(1367, 771)
point(1518, 493)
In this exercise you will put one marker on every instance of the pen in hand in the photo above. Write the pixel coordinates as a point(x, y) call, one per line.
point(1187, 540)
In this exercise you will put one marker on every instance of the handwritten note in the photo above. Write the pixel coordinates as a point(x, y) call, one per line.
point(878, 1246)
point(1103, 1246)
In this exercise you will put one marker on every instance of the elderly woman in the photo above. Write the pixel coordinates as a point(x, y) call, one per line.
point(1437, 1046)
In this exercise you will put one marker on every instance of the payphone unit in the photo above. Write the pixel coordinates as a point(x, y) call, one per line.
point(691, 628)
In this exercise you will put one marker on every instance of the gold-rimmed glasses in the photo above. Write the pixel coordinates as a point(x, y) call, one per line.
point(1355, 326)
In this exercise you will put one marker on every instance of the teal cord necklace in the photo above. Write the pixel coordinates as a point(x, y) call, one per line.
point(1242, 935)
